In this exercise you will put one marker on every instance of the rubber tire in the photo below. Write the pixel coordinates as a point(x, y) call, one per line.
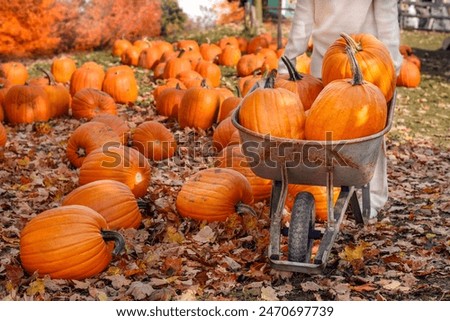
point(302, 222)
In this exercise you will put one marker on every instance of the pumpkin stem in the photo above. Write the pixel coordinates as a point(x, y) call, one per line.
point(351, 42)
point(51, 79)
point(182, 51)
point(203, 84)
point(356, 70)
point(119, 242)
point(294, 75)
point(270, 80)
point(243, 208)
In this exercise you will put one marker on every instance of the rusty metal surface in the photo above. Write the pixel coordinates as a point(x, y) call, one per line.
point(351, 161)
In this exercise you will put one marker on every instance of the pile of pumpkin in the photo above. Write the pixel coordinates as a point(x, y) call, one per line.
point(111, 158)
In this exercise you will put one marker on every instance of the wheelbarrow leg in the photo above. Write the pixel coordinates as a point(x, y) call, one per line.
point(361, 217)
point(277, 201)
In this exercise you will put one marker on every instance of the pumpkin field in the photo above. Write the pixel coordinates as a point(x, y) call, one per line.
point(126, 172)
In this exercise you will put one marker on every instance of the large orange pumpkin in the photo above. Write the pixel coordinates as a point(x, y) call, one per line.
point(89, 75)
point(68, 242)
point(117, 124)
point(409, 75)
point(214, 194)
point(58, 95)
point(120, 163)
point(225, 134)
point(154, 140)
point(347, 108)
point(86, 138)
point(15, 72)
point(63, 68)
point(275, 111)
point(198, 107)
point(307, 87)
point(232, 157)
point(169, 100)
point(372, 56)
point(112, 199)
point(89, 102)
point(26, 104)
point(120, 83)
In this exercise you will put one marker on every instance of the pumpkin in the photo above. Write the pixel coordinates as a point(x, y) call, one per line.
point(227, 106)
point(63, 68)
point(274, 111)
point(117, 124)
point(111, 199)
point(58, 95)
point(230, 56)
point(167, 83)
point(243, 43)
point(3, 135)
point(228, 41)
point(320, 198)
point(249, 64)
point(214, 194)
point(210, 71)
point(210, 51)
point(307, 87)
point(119, 46)
point(245, 84)
point(198, 107)
point(5, 84)
point(26, 104)
point(225, 134)
point(232, 157)
point(154, 140)
point(187, 45)
point(149, 57)
point(194, 57)
point(372, 56)
point(2, 113)
point(68, 242)
point(89, 102)
point(120, 163)
point(409, 75)
point(176, 65)
point(15, 72)
point(405, 50)
point(257, 43)
point(89, 75)
point(191, 78)
point(88, 137)
point(141, 44)
point(169, 100)
point(303, 64)
point(130, 56)
point(120, 83)
point(347, 108)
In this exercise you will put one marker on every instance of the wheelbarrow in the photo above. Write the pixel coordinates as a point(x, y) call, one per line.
point(349, 164)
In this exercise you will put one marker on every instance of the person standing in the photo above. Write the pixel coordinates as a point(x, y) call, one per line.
point(323, 21)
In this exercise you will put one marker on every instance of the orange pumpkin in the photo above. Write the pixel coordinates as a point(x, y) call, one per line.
point(119, 46)
point(232, 157)
point(409, 75)
point(225, 134)
point(26, 104)
point(227, 106)
point(86, 138)
point(15, 72)
point(188, 45)
point(210, 51)
point(58, 95)
point(120, 83)
point(169, 100)
point(249, 64)
point(210, 71)
point(149, 57)
point(275, 111)
point(176, 65)
point(347, 108)
point(68, 242)
point(214, 194)
point(120, 163)
point(198, 107)
point(5, 84)
point(90, 75)
point(154, 140)
point(117, 124)
point(230, 56)
point(63, 68)
point(130, 56)
point(3, 135)
point(89, 102)
point(372, 56)
point(111, 199)
point(167, 83)
point(307, 87)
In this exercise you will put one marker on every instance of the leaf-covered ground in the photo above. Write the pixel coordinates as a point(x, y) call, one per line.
point(404, 255)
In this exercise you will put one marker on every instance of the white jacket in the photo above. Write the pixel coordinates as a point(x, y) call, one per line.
point(325, 19)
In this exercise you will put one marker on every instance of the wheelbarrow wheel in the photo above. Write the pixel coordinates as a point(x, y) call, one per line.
point(302, 223)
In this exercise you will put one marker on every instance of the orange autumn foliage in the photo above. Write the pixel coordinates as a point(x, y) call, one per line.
point(46, 27)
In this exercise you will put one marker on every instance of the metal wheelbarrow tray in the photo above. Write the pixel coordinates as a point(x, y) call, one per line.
point(348, 164)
